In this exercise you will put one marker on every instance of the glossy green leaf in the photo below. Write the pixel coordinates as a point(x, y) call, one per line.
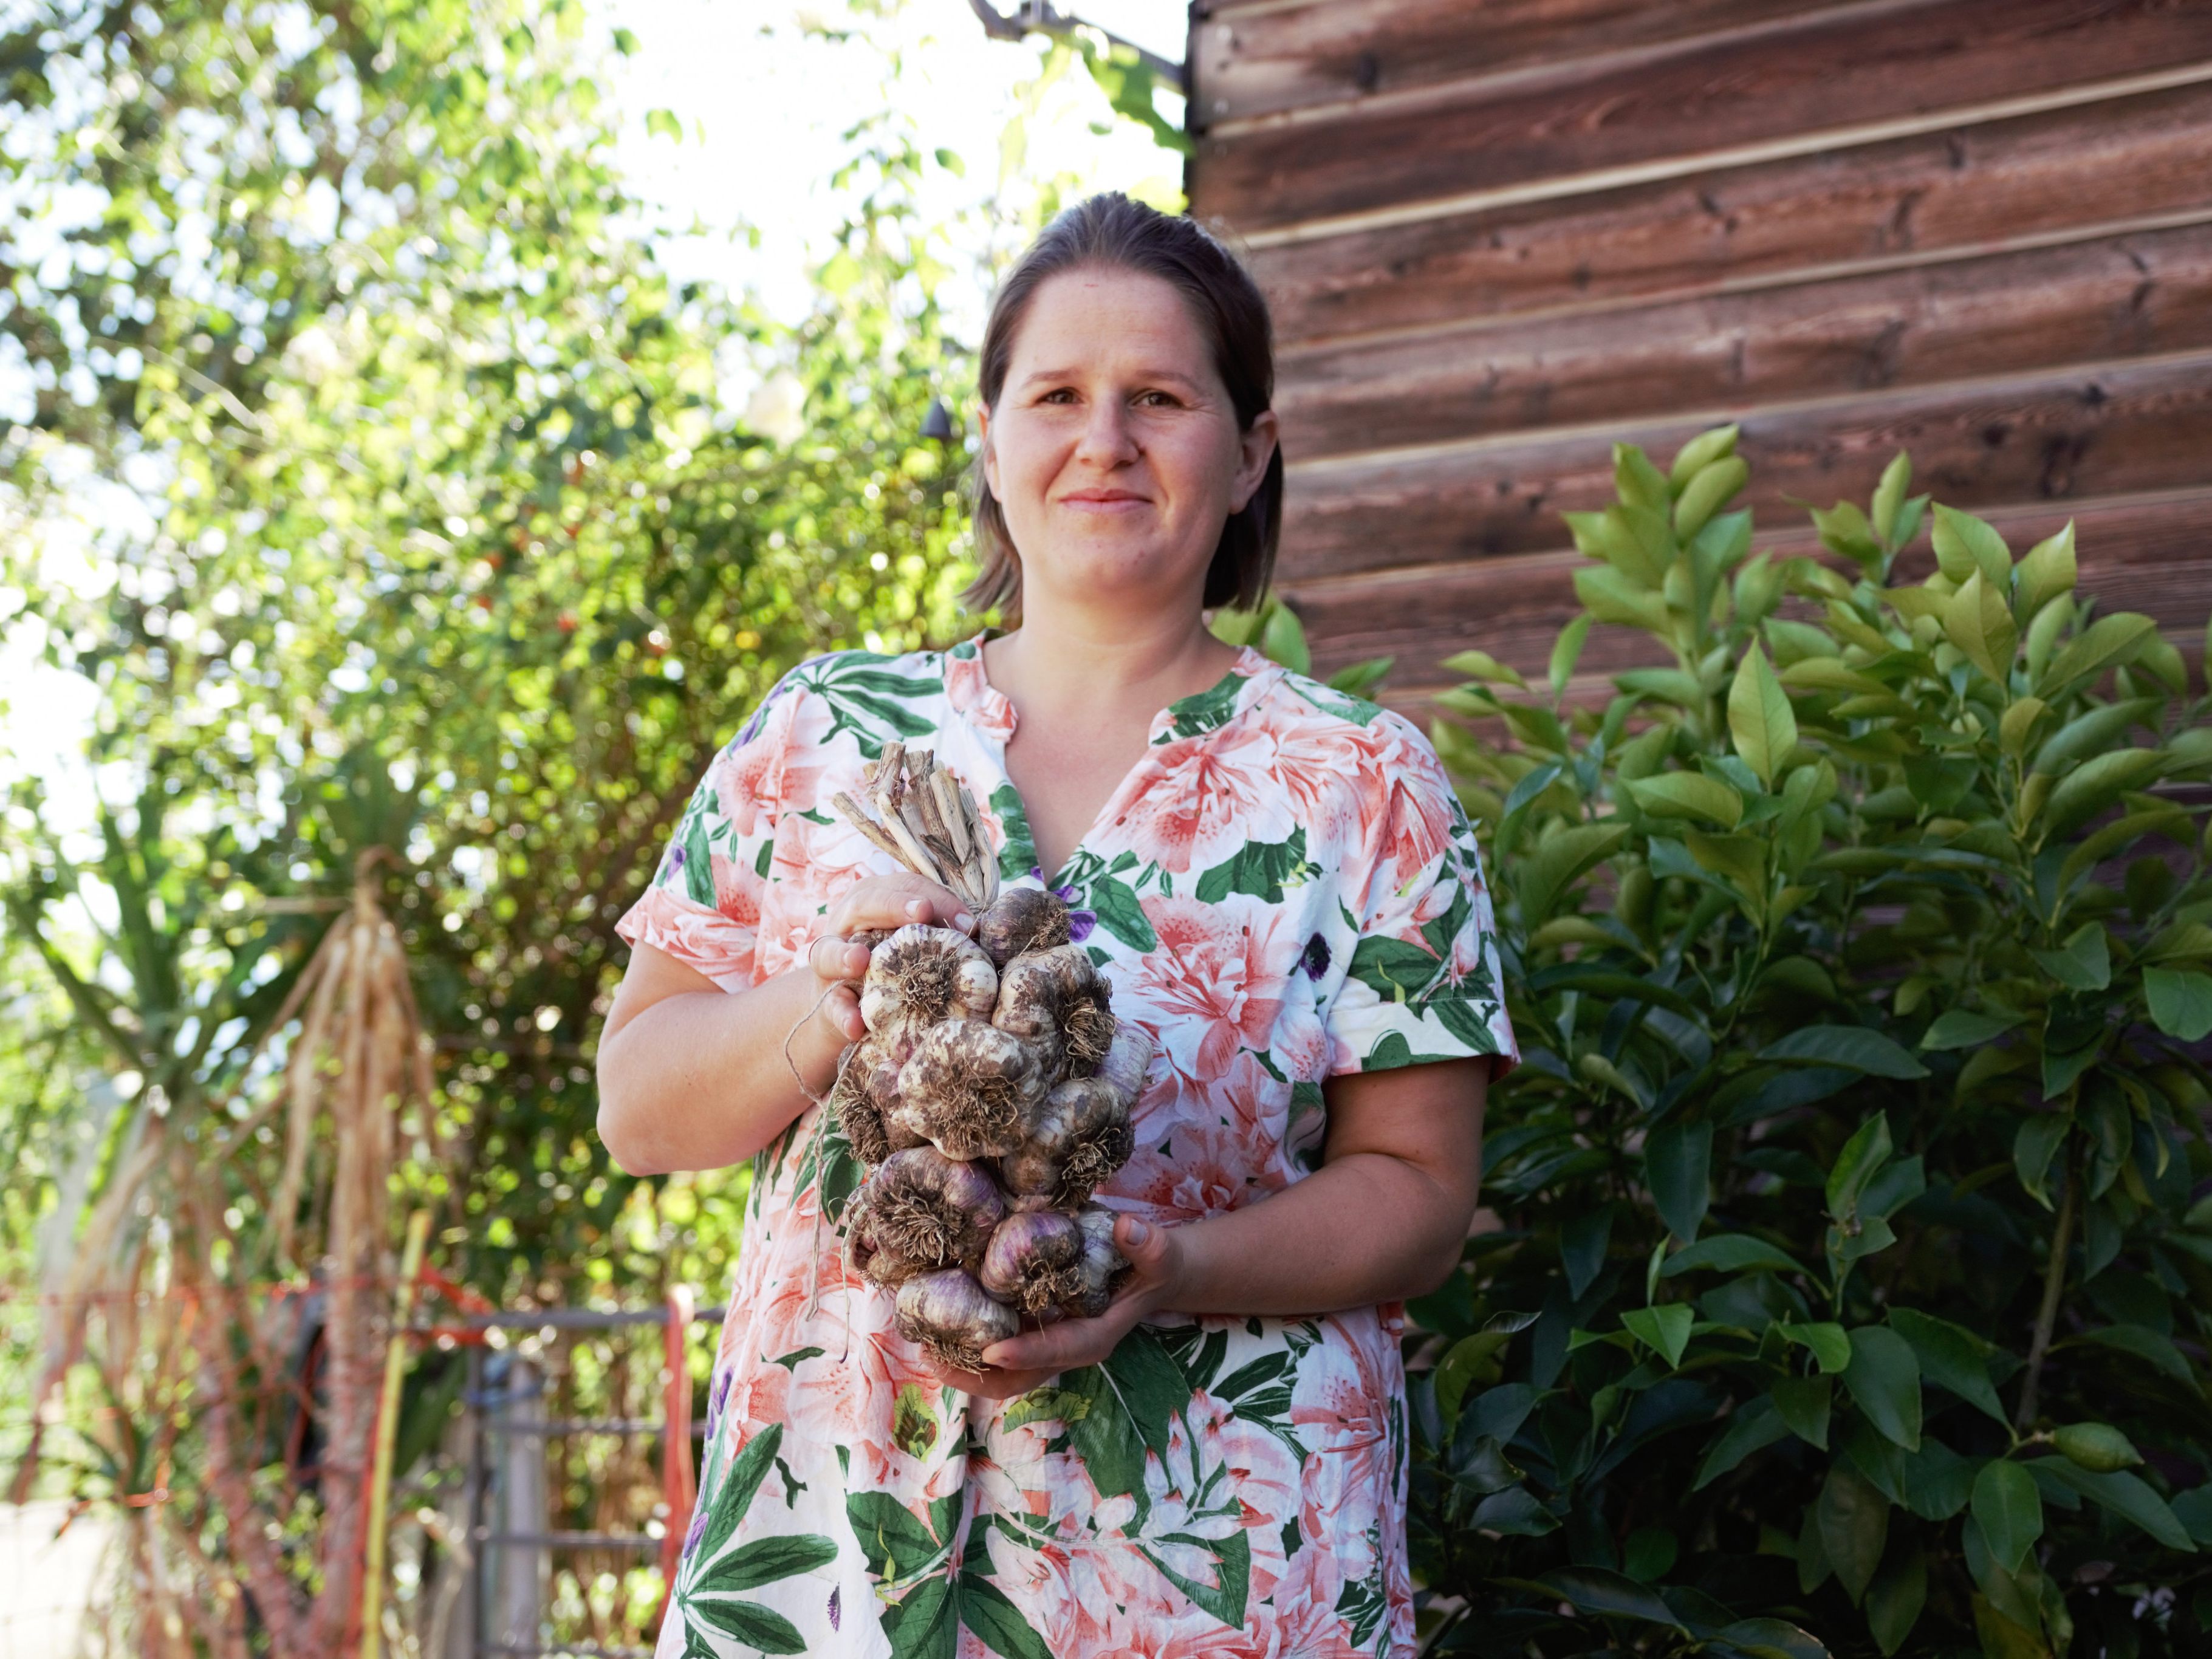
point(1829, 1343)
point(1884, 1378)
point(1755, 1424)
point(1805, 1404)
point(1562, 859)
point(2109, 643)
point(1601, 1591)
point(1730, 1253)
point(2047, 570)
point(2084, 962)
point(1980, 622)
point(2180, 1001)
point(2009, 1511)
point(1772, 1638)
point(1966, 547)
point(1481, 665)
point(1689, 795)
point(1678, 1163)
point(1567, 652)
point(1854, 1522)
point(1966, 1027)
point(1760, 720)
point(1665, 1330)
point(2125, 1495)
point(1895, 1598)
point(1852, 1046)
point(1951, 1357)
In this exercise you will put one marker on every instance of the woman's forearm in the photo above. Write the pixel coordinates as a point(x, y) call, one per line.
point(699, 1081)
point(1364, 1228)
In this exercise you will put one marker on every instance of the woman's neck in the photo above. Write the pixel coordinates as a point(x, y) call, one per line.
point(1057, 662)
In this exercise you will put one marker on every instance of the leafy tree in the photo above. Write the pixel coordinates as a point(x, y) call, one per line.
point(439, 541)
point(1851, 1291)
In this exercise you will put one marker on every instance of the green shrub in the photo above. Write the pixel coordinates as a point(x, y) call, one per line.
point(1848, 1289)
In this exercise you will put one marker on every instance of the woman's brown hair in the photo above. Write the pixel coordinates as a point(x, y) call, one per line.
point(1112, 231)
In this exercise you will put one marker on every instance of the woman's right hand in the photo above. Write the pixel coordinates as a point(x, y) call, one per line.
point(877, 904)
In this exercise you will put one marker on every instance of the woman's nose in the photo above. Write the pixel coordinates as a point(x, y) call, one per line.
point(1108, 437)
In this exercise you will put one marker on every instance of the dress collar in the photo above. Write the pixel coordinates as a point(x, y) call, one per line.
point(968, 687)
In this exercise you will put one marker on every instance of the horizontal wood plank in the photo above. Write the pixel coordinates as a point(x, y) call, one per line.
point(2127, 297)
point(1250, 60)
point(1823, 74)
point(1977, 187)
point(2148, 554)
point(2117, 429)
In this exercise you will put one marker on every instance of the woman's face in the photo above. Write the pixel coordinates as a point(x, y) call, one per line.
point(1113, 448)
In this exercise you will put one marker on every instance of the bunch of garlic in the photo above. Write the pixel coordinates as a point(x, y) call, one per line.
point(991, 1096)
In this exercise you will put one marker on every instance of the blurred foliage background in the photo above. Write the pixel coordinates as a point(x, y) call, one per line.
point(378, 479)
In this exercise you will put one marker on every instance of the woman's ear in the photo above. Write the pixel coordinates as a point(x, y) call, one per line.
point(990, 456)
point(1257, 444)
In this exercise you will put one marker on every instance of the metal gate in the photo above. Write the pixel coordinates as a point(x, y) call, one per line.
point(505, 1428)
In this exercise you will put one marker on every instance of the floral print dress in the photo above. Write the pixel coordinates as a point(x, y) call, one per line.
point(1284, 888)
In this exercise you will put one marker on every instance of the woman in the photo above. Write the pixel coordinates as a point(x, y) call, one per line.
point(1278, 884)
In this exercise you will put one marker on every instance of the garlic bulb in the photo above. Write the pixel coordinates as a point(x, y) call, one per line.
point(920, 976)
point(970, 1089)
point(919, 1211)
point(1058, 999)
point(865, 1090)
point(1102, 1268)
point(950, 1316)
point(1079, 1137)
point(1022, 919)
point(1034, 1261)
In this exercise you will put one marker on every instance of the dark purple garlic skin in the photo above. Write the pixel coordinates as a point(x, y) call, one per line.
point(921, 1212)
point(920, 977)
point(1058, 1000)
point(949, 1316)
point(1080, 1137)
point(863, 1096)
point(1034, 1261)
point(1019, 920)
point(970, 1089)
point(1102, 1268)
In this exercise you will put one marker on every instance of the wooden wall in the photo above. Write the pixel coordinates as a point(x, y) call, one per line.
point(1498, 234)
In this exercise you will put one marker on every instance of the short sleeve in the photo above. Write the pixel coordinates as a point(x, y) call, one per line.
point(1424, 982)
point(703, 905)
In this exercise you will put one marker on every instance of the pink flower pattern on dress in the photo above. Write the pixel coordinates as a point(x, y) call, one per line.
point(1283, 888)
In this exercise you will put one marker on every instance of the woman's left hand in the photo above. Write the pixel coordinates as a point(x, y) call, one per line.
point(1035, 1357)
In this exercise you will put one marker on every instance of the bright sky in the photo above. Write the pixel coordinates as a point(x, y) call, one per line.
point(762, 106)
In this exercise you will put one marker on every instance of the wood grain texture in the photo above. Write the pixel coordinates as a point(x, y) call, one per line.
point(2099, 301)
point(1253, 61)
point(2149, 554)
point(1823, 73)
point(2117, 429)
point(1973, 188)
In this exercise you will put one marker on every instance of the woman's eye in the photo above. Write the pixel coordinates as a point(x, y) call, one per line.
point(1058, 395)
point(1156, 399)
